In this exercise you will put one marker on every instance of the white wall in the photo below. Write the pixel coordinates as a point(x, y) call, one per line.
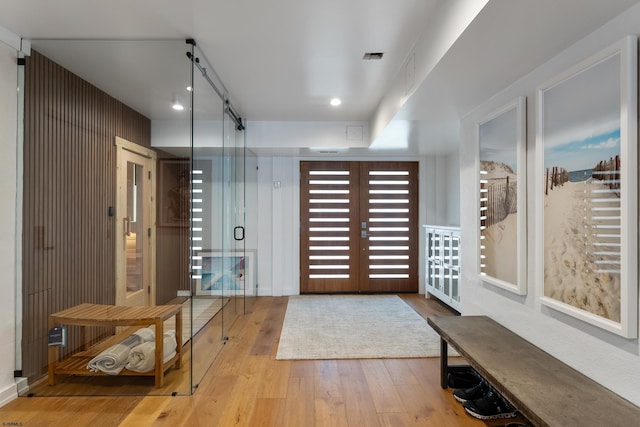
point(278, 227)
point(452, 217)
point(442, 190)
point(8, 182)
point(607, 358)
point(265, 233)
point(307, 134)
point(274, 134)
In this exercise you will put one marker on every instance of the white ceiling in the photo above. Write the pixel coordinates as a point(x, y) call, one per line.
point(282, 60)
point(506, 40)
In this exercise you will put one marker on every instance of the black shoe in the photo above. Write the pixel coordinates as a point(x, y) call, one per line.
point(472, 393)
point(490, 407)
point(462, 377)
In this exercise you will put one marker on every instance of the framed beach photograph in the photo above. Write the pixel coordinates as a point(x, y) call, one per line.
point(226, 273)
point(502, 176)
point(173, 192)
point(586, 190)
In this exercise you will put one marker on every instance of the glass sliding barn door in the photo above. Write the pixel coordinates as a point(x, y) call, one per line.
point(234, 263)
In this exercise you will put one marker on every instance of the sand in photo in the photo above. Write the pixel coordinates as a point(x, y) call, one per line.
point(501, 235)
point(575, 249)
point(500, 240)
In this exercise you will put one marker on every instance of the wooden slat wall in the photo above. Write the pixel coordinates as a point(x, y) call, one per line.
point(69, 184)
point(172, 250)
point(172, 262)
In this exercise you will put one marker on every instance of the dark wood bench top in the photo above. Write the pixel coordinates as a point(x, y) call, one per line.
point(545, 390)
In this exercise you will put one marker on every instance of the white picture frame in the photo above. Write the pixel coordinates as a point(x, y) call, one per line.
point(586, 152)
point(502, 188)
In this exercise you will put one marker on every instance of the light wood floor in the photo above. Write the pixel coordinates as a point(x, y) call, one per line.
point(246, 386)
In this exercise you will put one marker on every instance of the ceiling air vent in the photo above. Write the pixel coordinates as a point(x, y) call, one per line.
point(373, 55)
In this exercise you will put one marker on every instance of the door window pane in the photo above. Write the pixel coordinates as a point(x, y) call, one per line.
point(134, 227)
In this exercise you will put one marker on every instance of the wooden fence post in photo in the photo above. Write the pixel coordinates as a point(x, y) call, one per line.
point(546, 184)
point(506, 198)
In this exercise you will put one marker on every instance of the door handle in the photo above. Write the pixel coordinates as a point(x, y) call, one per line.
point(363, 230)
point(235, 233)
point(127, 225)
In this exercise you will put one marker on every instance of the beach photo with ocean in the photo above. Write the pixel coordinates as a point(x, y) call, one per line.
point(582, 190)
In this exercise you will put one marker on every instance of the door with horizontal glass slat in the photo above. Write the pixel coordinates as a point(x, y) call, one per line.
point(358, 227)
point(328, 227)
point(389, 215)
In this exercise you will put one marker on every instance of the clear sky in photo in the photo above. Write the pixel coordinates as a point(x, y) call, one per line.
point(581, 122)
point(498, 139)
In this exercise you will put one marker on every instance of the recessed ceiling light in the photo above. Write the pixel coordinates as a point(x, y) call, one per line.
point(189, 88)
point(177, 106)
point(335, 102)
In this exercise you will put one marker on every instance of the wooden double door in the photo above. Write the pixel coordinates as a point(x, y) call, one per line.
point(358, 227)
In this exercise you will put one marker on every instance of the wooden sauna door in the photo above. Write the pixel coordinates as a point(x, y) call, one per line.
point(135, 224)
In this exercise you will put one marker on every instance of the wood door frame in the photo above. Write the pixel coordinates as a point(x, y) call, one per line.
point(150, 263)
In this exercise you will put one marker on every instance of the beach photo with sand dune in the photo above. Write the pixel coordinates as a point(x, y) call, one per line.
point(501, 142)
point(499, 233)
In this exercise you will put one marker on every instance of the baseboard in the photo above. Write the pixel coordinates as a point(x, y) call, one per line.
point(8, 394)
point(265, 292)
point(183, 293)
point(23, 385)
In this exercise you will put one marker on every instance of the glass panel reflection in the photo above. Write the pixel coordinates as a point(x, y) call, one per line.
point(133, 229)
point(159, 219)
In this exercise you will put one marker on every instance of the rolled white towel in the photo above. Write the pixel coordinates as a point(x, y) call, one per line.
point(112, 360)
point(142, 358)
point(147, 334)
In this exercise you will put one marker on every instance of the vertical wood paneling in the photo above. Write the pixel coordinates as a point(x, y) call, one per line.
point(173, 245)
point(69, 184)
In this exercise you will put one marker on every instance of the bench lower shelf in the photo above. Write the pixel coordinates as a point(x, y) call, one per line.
point(77, 365)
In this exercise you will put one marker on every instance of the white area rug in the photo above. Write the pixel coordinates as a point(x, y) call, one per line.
point(354, 327)
point(203, 310)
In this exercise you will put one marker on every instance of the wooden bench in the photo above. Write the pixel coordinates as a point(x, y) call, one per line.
point(545, 390)
point(111, 315)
